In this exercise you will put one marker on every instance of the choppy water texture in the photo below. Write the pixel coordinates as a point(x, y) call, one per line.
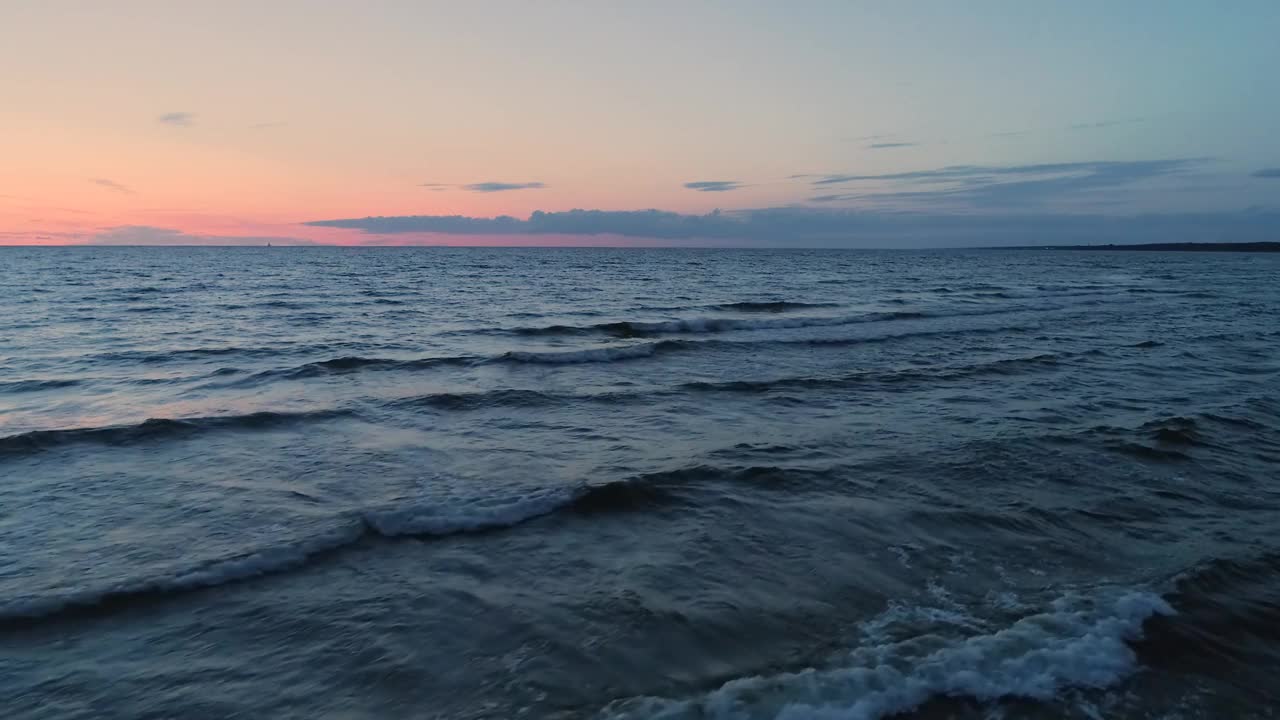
point(428, 483)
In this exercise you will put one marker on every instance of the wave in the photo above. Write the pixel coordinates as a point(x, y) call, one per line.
point(21, 386)
point(154, 428)
point(631, 328)
point(613, 353)
point(775, 306)
point(1006, 366)
point(708, 325)
point(1227, 624)
point(484, 399)
point(411, 520)
point(606, 354)
point(350, 364)
point(152, 357)
point(156, 357)
point(587, 355)
point(1173, 438)
point(434, 518)
point(273, 559)
point(353, 363)
point(1174, 431)
point(591, 355)
point(1076, 643)
point(402, 518)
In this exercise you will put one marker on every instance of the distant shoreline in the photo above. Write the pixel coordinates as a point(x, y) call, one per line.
point(1168, 247)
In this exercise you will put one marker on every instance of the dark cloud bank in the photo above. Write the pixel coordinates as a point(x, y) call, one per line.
point(962, 205)
point(808, 227)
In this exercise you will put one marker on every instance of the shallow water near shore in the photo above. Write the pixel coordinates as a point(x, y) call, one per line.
point(605, 483)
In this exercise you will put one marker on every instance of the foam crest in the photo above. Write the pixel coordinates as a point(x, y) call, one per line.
point(1075, 643)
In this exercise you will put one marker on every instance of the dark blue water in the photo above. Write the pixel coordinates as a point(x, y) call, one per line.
point(430, 483)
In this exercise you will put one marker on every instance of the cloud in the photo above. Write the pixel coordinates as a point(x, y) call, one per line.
point(258, 126)
point(980, 186)
point(112, 185)
point(177, 119)
point(713, 185)
point(886, 145)
point(1268, 173)
point(489, 187)
point(1010, 134)
point(813, 227)
point(148, 235)
point(1104, 124)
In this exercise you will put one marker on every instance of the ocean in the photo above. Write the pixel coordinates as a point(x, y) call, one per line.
point(371, 483)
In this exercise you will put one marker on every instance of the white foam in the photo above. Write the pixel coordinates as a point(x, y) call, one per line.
point(1076, 643)
point(605, 354)
point(467, 515)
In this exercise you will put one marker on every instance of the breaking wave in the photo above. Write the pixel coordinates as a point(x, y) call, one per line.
point(1075, 643)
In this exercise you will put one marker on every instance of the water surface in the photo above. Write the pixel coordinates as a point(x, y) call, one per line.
point(473, 483)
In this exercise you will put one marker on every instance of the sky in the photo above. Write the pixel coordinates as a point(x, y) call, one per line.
point(804, 124)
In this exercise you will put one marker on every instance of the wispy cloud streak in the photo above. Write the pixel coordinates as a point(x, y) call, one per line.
point(112, 185)
point(713, 185)
point(177, 119)
point(491, 187)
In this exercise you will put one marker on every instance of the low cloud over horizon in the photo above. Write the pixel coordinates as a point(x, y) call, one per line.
point(810, 227)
